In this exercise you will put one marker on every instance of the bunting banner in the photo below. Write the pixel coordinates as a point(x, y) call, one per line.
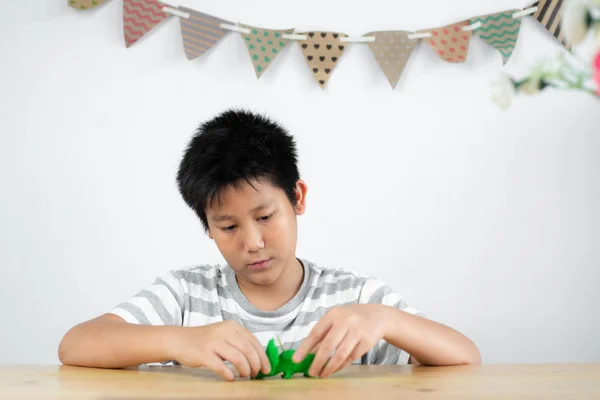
point(139, 17)
point(264, 45)
point(85, 4)
point(451, 42)
point(548, 14)
point(322, 50)
point(500, 31)
point(391, 49)
point(200, 32)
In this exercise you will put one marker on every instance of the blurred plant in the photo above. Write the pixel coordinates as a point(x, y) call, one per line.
point(580, 23)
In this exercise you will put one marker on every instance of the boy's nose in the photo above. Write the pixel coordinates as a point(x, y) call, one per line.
point(253, 240)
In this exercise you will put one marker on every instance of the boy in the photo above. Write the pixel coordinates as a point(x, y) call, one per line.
point(239, 174)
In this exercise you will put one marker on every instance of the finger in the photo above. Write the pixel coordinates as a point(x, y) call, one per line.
point(242, 344)
point(342, 353)
point(216, 364)
point(328, 345)
point(264, 364)
point(360, 350)
point(234, 356)
point(315, 336)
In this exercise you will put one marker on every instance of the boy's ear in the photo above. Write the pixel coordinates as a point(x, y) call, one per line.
point(300, 193)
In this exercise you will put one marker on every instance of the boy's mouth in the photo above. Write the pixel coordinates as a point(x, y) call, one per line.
point(260, 264)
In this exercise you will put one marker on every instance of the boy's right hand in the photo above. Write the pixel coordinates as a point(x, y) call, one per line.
point(210, 345)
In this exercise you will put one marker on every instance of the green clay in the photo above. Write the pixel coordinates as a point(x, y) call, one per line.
point(283, 364)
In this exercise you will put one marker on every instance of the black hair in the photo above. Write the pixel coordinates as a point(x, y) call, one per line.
point(233, 146)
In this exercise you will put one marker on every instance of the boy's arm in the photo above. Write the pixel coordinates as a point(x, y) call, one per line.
point(109, 342)
point(408, 329)
point(149, 328)
point(428, 342)
point(353, 330)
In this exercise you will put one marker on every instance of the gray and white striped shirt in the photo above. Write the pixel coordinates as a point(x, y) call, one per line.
point(206, 294)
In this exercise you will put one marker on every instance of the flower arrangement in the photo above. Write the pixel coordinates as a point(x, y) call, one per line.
point(580, 23)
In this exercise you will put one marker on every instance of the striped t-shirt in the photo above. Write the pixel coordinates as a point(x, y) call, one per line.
point(206, 294)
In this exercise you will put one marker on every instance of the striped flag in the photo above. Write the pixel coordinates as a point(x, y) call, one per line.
point(85, 4)
point(549, 15)
point(200, 32)
point(500, 31)
point(139, 17)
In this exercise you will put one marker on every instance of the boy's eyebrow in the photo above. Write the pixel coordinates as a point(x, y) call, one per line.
point(224, 217)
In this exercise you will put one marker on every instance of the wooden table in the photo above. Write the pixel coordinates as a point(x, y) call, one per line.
point(545, 381)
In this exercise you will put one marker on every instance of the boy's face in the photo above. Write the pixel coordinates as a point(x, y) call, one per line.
point(255, 229)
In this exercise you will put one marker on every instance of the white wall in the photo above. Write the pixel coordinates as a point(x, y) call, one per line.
point(488, 221)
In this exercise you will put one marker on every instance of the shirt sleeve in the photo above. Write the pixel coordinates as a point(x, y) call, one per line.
point(376, 292)
point(162, 303)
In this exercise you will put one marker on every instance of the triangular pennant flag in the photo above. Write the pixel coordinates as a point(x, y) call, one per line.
point(85, 4)
point(450, 42)
point(392, 50)
point(264, 45)
point(139, 17)
point(500, 30)
point(322, 51)
point(549, 15)
point(200, 32)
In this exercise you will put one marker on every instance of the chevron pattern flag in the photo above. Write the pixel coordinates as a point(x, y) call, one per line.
point(85, 4)
point(139, 17)
point(500, 31)
point(549, 14)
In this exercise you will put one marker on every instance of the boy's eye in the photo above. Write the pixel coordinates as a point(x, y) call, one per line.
point(228, 228)
point(266, 217)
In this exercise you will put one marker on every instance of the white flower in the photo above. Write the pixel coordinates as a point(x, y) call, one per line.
point(575, 21)
point(503, 91)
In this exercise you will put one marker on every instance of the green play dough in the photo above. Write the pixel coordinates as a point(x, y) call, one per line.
point(283, 364)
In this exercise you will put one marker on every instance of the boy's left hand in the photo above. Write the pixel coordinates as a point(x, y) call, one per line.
point(346, 331)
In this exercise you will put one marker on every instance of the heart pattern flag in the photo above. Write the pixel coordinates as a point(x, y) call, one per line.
point(200, 32)
point(500, 31)
point(322, 51)
point(450, 42)
point(139, 17)
point(392, 50)
point(264, 45)
point(549, 15)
